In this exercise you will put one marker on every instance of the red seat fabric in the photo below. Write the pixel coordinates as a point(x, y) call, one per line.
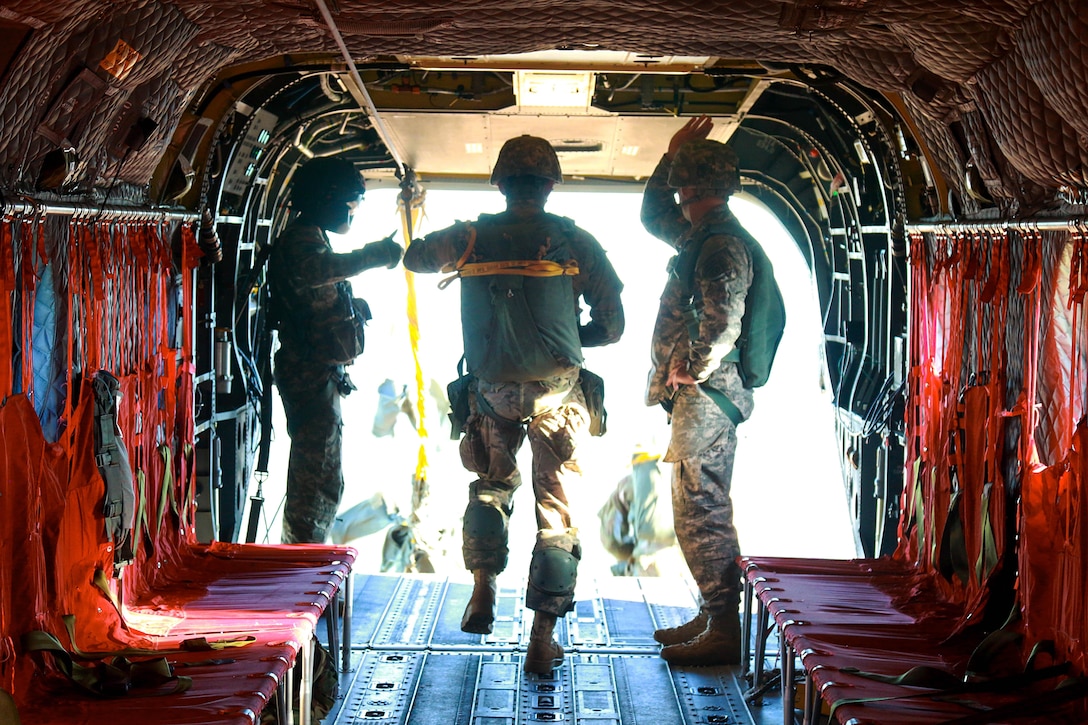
point(57, 560)
point(857, 623)
point(230, 687)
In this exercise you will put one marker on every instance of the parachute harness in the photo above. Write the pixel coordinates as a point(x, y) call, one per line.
point(522, 267)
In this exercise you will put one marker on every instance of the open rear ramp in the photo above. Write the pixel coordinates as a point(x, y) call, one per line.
point(411, 663)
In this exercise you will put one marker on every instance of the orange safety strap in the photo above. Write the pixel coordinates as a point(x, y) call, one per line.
point(7, 289)
point(985, 503)
point(456, 266)
point(936, 377)
point(122, 276)
point(1078, 283)
point(910, 530)
point(993, 276)
point(1074, 573)
point(1025, 406)
point(114, 326)
point(169, 386)
point(525, 268)
point(143, 416)
point(469, 247)
point(28, 276)
point(953, 304)
point(156, 295)
point(932, 294)
point(74, 292)
point(189, 255)
point(948, 253)
point(1040, 550)
point(94, 259)
point(185, 421)
point(1067, 566)
point(1082, 279)
point(982, 433)
point(96, 290)
point(127, 275)
point(1075, 263)
point(521, 267)
point(972, 267)
point(136, 314)
point(140, 299)
point(1031, 272)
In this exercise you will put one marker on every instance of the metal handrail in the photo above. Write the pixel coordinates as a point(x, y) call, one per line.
point(1024, 225)
point(94, 211)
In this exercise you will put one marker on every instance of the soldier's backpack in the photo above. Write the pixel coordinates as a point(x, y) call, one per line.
point(764, 312)
point(518, 313)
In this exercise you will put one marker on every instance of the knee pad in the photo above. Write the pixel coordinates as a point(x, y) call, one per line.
point(553, 572)
point(484, 538)
point(485, 525)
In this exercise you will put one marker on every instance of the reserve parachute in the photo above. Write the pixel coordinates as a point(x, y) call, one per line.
point(764, 317)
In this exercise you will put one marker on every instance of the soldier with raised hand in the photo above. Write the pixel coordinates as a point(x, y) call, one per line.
point(696, 378)
point(320, 331)
point(524, 275)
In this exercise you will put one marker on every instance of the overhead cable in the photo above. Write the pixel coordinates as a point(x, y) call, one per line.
point(368, 104)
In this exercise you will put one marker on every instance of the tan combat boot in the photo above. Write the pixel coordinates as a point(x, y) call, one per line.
point(719, 644)
point(544, 653)
point(685, 632)
point(480, 613)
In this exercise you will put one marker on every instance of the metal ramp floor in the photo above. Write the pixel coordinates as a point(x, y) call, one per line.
point(412, 664)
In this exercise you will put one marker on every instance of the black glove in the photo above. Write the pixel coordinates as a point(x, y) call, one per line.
point(385, 253)
point(343, 383)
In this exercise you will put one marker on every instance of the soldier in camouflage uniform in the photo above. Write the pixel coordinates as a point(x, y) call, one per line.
point(523, 273)
point(698, 324)
point(633, 527)
point(313, 305)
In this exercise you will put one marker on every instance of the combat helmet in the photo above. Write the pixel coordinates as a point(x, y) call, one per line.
point(705, 164)
point(527, 156)
point(325, 181)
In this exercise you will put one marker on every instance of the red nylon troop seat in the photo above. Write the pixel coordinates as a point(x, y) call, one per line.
point(177, 591)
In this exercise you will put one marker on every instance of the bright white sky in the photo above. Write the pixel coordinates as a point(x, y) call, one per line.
point(787, 488)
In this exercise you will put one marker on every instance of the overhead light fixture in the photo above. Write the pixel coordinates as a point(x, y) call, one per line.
point(629, 150)
point(554, 89)
point(576, 145)
point(474, 148)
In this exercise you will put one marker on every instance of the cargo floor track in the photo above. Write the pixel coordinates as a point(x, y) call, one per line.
point(411, 663)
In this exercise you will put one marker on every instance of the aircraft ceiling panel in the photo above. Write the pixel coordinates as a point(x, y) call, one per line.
point(641, 140)
point(452, 144)
point(440, 144)
point(585, 144)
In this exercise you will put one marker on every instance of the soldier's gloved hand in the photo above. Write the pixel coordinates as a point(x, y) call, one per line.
point(385, 253)
point(697, 127)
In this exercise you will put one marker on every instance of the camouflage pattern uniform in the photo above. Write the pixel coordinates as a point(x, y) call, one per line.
point(552, 412)
point(704, 441)
point(633, 528)
point(309, 283)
